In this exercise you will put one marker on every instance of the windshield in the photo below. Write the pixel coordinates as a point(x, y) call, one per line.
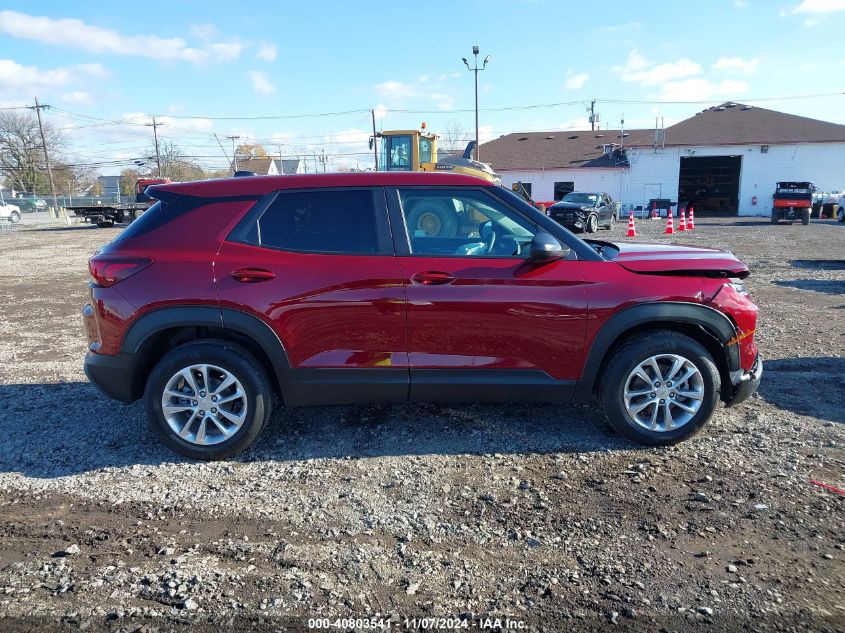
point(581, 198)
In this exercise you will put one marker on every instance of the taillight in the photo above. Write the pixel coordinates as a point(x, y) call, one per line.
point(107, 270)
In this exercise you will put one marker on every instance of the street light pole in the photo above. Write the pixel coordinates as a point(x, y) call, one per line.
point(475, 69)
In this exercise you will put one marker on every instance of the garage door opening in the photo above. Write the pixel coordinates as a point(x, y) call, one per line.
point(710, 184)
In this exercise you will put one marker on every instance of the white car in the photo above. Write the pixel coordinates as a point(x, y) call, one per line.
point(10, 212)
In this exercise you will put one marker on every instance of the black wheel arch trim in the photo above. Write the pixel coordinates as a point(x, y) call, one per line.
point(716, 323)
point(232, 319)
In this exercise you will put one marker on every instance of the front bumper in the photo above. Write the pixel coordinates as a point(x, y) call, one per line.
point(116, 376)
point(747, 385)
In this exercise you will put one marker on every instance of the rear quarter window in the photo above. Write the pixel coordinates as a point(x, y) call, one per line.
point(330, 221)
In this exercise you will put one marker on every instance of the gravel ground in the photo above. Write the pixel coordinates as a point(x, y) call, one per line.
point(531, 512)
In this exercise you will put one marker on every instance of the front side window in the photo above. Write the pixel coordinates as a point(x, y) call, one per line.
point(320, 222)
point(396, 153)
point(425, 150)
point(463, 223)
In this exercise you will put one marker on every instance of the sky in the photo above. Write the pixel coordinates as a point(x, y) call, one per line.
point(302, 77)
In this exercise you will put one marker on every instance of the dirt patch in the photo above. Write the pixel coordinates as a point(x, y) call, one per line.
point(534, 512)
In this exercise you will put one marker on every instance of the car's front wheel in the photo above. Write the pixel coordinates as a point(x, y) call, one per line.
point(208, 399)
point(14, 217)
point(659, 387)
point(592, 223)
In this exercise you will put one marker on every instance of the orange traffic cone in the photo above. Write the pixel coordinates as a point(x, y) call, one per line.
point(654, 214)
point(669, 226)
point(691, 223)
point(632, 230)
point(682, 223)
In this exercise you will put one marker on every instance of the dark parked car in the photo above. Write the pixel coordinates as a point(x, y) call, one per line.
point(229, 296)
point(585, 211)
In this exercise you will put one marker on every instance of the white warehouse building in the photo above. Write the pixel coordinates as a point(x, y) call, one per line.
point(725, 160)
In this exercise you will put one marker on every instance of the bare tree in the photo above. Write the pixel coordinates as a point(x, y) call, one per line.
point(175, 165)
point(21, 153)
point(454, 137)
point(73, 180)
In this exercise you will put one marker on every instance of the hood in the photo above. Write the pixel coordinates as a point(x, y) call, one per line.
point(560, 206)
point(672, 259)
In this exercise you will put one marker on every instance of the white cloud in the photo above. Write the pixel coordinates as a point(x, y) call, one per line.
point(193, 124)
point(637, 69)
point(443, 101)
point(75, 33)
point(77, 97)
point(267, 51)
point(579, 123)
point(575, 81)
point(205, 31)
point(698, 89)
point(395, 90)
point(736, 64)
point(817, 7)
point(15, 77)
point(260, 82)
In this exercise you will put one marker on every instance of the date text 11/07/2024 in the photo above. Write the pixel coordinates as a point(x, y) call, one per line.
point(420, 624)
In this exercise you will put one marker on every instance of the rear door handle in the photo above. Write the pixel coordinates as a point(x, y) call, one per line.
point(252, 275)
point(433, 278)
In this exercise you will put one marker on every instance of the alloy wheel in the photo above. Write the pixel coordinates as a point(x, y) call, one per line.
point(204, 404)
point(663, 392)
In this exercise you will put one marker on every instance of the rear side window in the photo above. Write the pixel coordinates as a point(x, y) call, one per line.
point(320, 222)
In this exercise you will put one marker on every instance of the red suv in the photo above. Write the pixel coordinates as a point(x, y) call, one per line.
point(228, 296)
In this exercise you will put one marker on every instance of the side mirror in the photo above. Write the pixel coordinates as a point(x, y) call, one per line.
point(545, 248)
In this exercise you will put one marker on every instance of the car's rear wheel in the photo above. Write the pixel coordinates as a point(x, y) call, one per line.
point(805, 216)
point(15, 217)
point(841, 214)
point(775, 216)
point(208, 399)
point(612, 222)
point(659, 388)
point(592, 223)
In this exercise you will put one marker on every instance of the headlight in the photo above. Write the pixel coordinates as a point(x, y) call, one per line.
point(738, 287)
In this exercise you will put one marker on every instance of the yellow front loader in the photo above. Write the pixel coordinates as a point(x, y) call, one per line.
point(416, 150)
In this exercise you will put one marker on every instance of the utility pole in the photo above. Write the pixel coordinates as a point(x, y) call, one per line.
point(324, 159)
point(475, 69)
point(592, 111)
point(375, 140)
point(155, 125)
point(234, 152)
point(46, 155)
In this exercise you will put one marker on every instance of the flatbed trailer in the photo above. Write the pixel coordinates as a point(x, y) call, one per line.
point(105, 215)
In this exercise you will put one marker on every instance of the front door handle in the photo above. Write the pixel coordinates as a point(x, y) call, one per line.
point(252, 275)
point(433, 278)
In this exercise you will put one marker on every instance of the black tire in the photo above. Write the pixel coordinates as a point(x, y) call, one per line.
point(612, 222)
point(627, 356)
point(841, 214)
point(805, 216)
point(775, 216)
point(105, 224)
point(433, 219)
point(14, 217)
point(592, 223)
point(238, 362)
